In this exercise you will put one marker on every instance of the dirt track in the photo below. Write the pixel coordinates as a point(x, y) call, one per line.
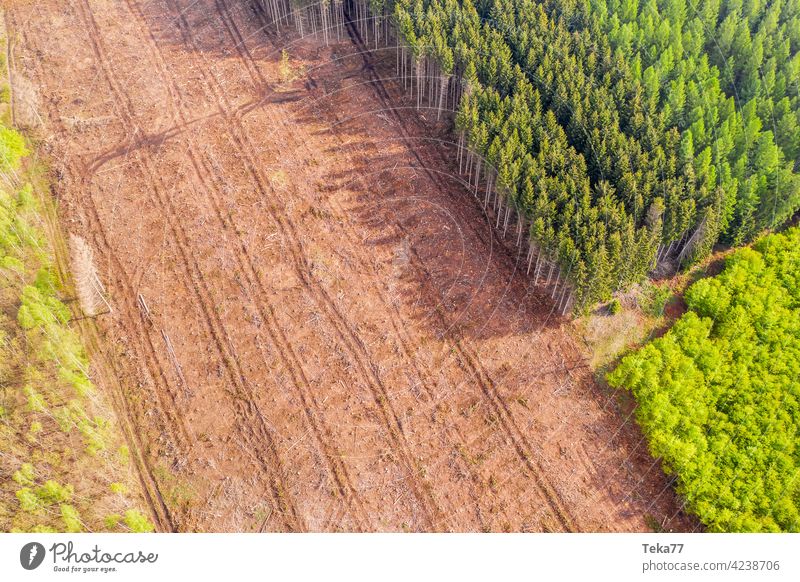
point(354, 348)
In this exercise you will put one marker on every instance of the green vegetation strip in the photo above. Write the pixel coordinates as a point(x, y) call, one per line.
point(719, 394)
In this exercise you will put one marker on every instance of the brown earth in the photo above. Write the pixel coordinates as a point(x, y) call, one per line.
point(354, 347)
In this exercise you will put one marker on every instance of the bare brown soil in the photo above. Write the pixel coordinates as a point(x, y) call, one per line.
point(354, 348)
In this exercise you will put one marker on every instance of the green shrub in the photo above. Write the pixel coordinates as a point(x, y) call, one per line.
point(614, 307)
point(12, 149)
point(53, 492)
point(119, 488)
point(78, 380)
point(35, 429)
point(63, 417)
point(112, 521)
point(26, 198)
point(36, 402)
point(26, 475)
point(45, 281)
point(71, 519)
point(13, 264)
point(137, 522)
point(124, 454)
point(92, 433)
point(29, 501)
point(25, 318)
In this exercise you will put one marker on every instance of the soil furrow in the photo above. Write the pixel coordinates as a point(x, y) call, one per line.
point(213, 187)
point(472, 365)
point(346, 335)
point(468, 358)
point(131, 314)
point(427, 382)
point(251, 422)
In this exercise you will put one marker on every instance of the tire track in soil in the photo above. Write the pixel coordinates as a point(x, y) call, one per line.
point(255, 74)
point(467, 356)
point(291, 362)
point(253, 427)
point(158, 507)
point(165, 520)
point(159, 510)
point(348, 338)
point(156, 370)
point(471, 364)
point(469, 360)
point(246, 268)
point(253, 70)
point(257, 78)
point(402, 340)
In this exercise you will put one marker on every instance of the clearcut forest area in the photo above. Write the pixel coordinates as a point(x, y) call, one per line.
point(441, 265)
